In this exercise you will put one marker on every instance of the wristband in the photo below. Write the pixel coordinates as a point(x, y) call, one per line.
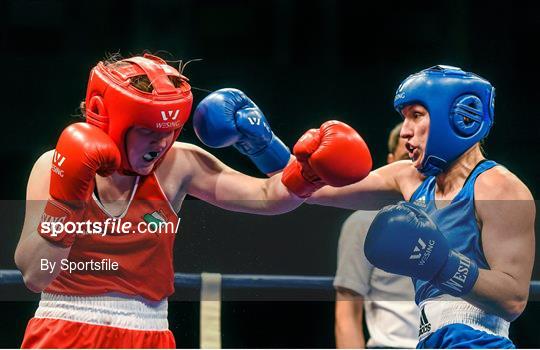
point(273, 157)
point(57, 212)
point(296, 183)
point(458, 275)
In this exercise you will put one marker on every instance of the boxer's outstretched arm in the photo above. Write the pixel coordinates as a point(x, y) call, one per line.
point(218, 184)
point(381, 187)
point(506, 210)
point(334, 154)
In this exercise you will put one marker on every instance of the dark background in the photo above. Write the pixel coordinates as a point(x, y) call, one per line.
point(303, 62)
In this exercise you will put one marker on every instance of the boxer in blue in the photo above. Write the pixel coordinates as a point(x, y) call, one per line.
point(465, 232)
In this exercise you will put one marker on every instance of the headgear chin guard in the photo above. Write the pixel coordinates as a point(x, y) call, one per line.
point(461, 108)
point(115, 105)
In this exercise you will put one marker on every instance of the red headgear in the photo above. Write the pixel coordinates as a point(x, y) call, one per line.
point(114, 105)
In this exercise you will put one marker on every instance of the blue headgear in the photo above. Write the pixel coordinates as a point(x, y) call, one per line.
point(461, 108)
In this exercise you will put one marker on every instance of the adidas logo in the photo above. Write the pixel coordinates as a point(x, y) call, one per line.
point(421, 202)
point(425, 326)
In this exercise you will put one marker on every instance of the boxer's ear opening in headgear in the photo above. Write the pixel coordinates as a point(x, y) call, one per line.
point(466, 115)
point(95, 112)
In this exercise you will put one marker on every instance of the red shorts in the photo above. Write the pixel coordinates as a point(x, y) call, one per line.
point(54, 333)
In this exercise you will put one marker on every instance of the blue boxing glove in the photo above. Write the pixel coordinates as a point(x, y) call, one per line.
point(228, 117)
point(404, 240)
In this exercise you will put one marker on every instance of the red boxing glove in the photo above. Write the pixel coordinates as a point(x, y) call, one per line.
point(333, 155)
point(82, 151)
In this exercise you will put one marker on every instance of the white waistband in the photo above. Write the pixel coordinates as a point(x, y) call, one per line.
point(437, 313)
point(106, 310)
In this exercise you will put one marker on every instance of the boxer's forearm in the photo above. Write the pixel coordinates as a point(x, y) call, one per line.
point(352, 197)
point(33, 250)
point(237, 192)
point(32, 253)
point(276, 198)
point(291, 159)
point(218, 184)
point(499, 293)
point(372, 193)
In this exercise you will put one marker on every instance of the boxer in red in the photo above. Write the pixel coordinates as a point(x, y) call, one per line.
point(104, 286)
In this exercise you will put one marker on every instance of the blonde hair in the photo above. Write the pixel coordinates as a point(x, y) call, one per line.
point(393, 139)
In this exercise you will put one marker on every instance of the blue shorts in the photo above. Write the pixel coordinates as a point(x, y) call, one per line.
point(460, 336)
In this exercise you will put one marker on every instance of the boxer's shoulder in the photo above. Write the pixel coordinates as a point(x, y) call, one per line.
point(38, 182)
point(185, 156)
point(176, 170)
point(184, 162)
point(406, 177)
point(504, 207)
point(45, 159)
point(180, 151)
point(499, 183)
point(178, 162)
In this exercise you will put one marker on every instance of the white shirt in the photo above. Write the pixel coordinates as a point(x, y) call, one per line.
point(392, 317)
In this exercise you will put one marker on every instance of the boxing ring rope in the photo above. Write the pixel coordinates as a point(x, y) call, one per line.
point(211, 284)
point(228, 281)
point(247, 281)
